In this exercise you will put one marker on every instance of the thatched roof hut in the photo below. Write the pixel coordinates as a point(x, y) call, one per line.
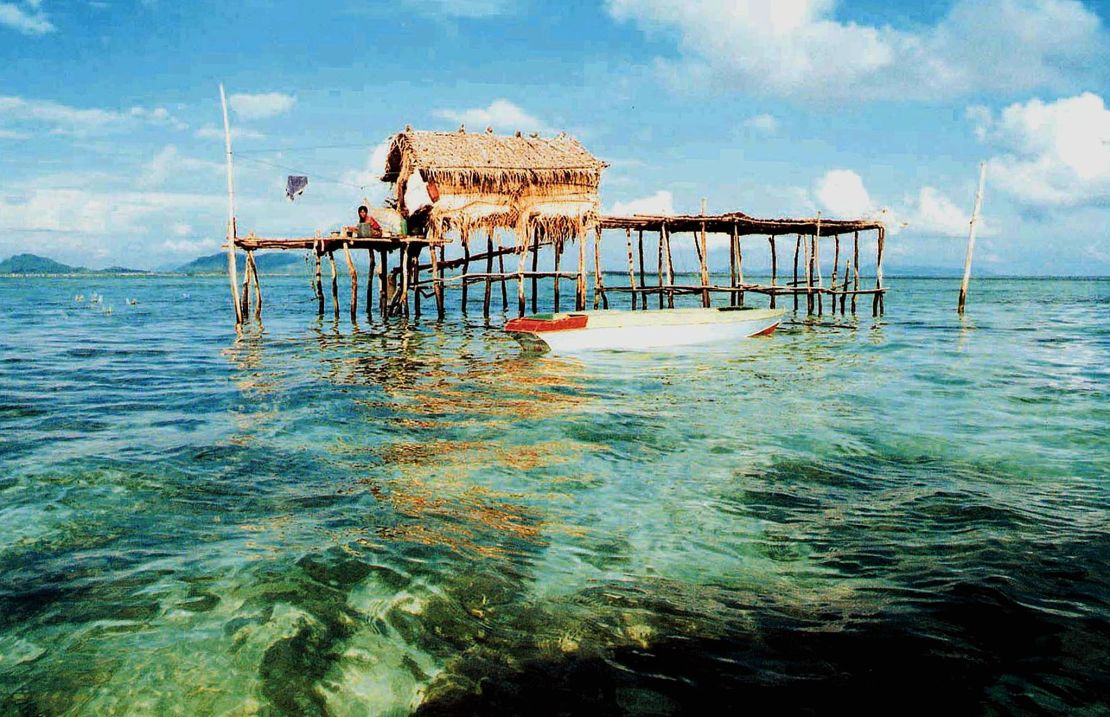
point(486, 181)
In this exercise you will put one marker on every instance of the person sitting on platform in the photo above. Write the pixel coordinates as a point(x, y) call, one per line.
point(367, 225)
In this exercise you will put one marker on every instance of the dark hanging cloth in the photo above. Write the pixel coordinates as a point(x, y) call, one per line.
point(295, 186)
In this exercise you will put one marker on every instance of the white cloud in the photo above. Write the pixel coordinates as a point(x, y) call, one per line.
point(501, 115)
point(1054, 153)
point(83, 212)
point(934, 213)
point(59, 119)
point(213, 132)
point(369, 178)
point(660, 203)
point(461, 8)
point(169, 162)
point(261, 106)
point(842, 194)
point(158, 115)
point(800, 48)
point(762, 123)
point(30, 21)
point(191, 246)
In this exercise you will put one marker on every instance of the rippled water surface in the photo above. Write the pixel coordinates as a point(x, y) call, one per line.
point(327, 518)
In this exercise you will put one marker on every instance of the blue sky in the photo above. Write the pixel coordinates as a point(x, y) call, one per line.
point(110, 128)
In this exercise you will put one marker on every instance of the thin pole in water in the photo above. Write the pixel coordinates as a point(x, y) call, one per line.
point(231, 272)
point(971, 238)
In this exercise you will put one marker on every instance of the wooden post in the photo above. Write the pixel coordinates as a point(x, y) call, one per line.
point(599, 281)
point(232, 273)
point(354, 279)
point(319, 281)
point(808, 248)
point(522, 249)
point(739, 264)
point(704, 258)
point(557, 248)
point(836, 263)
point(877, 303)
point(817, 267)
point(855, 270)
point(631, 267)
point(670, 267)
point(732, 267)
point(504, 288)
point(437, 277)
point(415, 272)
point(797, 248)
point(383, 280)
point(535, 268)
point(643, 281)
point(370, 283)
point(257, 288)
point(465, 269)
point(971, 238)
point(405, 265)
point(774, 267)
point(334, 283)
point(245, 302)
point(489, 270)
point(844, 286)
point(659, 268)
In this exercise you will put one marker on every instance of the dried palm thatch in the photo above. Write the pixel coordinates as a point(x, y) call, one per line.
point(487, 181)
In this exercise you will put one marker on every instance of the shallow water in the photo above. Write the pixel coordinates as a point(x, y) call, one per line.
point(327, 518)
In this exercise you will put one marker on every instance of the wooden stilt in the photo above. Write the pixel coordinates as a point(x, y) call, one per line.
point(703, 256)
point(319, 283)
point(844, 285)
point(808, 248)
point(245, 301)
point(257, 288)
point(659, 268)
point(522, 248)
point(855, 269)
point(354, 279)
point(774, 267)
point(877, 303)
point(817, 267)
point(732, 267)
point(535, 268)
point(489, 270)
point(580, 286)
point(670, 266)
point(383, 279)
point(643, 280)
point(557, 248)
point(415, 273)
point(597, 268)
point(405, 265)
point(465, 269)
point(797, 248)
point(739, 263)
point(437, 278)
point(334, 283)
point(504, 288)
point(370, 283)
point(836, 264)
point(631, 267)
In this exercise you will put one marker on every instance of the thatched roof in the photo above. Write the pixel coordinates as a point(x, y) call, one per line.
point(490, 181)
point(742, 223)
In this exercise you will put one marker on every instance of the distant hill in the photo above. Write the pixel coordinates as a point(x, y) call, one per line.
point(33, 264)
point(276, 263)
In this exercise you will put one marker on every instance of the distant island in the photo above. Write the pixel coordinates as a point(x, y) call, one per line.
point(34, 265)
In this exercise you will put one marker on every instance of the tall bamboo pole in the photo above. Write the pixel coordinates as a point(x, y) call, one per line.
point(971, 238)
point(232, 273)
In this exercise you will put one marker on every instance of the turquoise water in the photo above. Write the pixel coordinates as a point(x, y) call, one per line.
point(321, 518)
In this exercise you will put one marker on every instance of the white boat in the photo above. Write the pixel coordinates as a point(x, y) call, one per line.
point(634, 330)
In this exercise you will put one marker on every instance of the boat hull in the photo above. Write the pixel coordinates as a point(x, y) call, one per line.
point(640, 330)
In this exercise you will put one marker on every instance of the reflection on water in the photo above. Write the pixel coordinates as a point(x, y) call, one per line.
point(325, 518)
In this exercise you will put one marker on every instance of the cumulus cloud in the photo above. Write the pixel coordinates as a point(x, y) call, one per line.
point(800, 48)
point(1052, 153)
point(23, 115)
point(83, 212)
point(170, 162)
point(660, 203)
point(501, 114)
point(842, 194)
point(211, 131)
point(27, 19)
point(762, 123)
point(262, 105)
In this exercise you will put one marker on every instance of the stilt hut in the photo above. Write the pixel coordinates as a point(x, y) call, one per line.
point(544, 191)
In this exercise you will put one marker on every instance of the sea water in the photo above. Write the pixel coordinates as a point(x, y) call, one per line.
point(352, 518)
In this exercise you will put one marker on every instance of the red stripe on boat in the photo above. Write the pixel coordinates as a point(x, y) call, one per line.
point(530, 325)
point(767, 331)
